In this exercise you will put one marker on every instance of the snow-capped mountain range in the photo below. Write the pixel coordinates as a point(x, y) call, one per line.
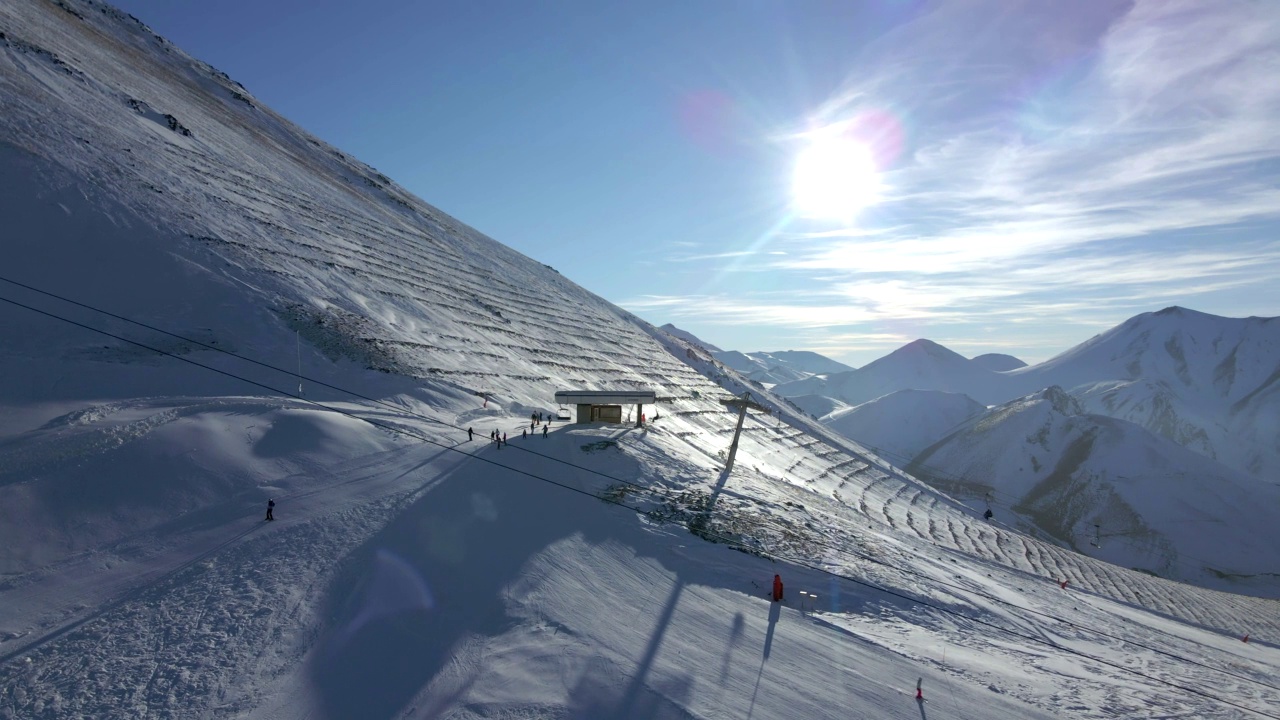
point(204, 308)
point(768, 368)
point(1170, 410)
point(781, 366)
point(1208, 383)
point(919, 365)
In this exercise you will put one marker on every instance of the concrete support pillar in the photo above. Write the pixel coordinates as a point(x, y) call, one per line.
point(733, 449)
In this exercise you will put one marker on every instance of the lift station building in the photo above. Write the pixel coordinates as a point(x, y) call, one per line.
point(604, 406)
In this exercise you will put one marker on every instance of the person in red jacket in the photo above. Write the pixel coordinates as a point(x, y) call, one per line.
point(777, 588)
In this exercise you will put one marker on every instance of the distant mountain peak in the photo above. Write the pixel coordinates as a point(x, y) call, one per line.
point(922, 344)
point(998, 362)
point(1177, 312)
point(926, 348)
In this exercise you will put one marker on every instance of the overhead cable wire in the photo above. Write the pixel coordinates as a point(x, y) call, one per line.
point(298, 375)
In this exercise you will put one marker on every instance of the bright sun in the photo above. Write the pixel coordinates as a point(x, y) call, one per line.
point(835, 177)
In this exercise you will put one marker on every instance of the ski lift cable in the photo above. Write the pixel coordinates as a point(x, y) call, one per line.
point(721, 538)
point(383, 403)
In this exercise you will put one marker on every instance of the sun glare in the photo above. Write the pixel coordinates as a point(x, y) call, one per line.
point(835, 178)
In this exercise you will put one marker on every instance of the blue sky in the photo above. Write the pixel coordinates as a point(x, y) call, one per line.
point(1045, 170)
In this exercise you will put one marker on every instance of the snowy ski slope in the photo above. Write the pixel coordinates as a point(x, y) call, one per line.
point(412, 573)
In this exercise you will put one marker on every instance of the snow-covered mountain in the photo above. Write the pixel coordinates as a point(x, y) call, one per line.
point(919, 365)
point(901, 424)
point(803, 360)
point(689, 337)
point(756, 369)
point(316, 335)
point(1209, 383)
point(1156, 506)
point(1213, 356)
point(998, 362)
point(783, 366)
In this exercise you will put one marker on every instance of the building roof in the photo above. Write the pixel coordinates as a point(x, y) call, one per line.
point(605, 397)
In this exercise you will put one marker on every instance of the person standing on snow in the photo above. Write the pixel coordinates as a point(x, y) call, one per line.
point(271, 505)
point(470, 435)
point(777, 588)
point(544, 430)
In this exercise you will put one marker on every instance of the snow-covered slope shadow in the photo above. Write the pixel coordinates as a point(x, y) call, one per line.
point(539, 602)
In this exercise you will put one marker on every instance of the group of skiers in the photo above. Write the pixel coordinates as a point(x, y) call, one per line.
point(500, 438)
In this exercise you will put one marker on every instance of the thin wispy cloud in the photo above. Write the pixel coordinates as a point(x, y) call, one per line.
point(1066, 162)
point(730, 310)
point(715, 256)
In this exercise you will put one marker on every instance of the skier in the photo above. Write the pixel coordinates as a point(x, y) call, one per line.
point(504, 438)
point(987, 514)
point(544, 429)
point(777, 588)
point(522, 435)
point(271, 505)
point(470, 435)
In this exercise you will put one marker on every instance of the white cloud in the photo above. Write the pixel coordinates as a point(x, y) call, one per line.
point(1170, 126)
point(1068, 165)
